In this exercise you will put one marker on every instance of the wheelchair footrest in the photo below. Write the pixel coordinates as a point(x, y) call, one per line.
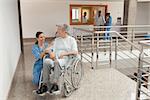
point(54, 93)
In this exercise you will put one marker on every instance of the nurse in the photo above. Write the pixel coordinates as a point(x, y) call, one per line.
point(108, 23)
point(39, 51)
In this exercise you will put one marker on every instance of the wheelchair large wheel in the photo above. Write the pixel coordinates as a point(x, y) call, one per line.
point(68, 89)
point(77, 73)
point(67, 86)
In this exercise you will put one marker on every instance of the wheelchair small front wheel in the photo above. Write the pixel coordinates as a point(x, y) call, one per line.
point(67, 90)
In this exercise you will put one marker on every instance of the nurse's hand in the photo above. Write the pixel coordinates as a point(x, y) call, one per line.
point(42, 54)
point(47, 51)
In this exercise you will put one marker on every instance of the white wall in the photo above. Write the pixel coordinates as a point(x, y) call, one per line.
point(149, 12)
point(142, 17)
point(43, 15)
point(10, 44)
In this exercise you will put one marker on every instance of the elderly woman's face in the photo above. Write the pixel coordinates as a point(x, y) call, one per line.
point(60, 32)
point(41, 38)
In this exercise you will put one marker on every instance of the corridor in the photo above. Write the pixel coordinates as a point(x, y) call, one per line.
point(115, 61)
point(102, 84)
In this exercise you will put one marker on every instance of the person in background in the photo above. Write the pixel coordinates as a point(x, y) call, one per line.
point(118, 23)
point(99, 20)
point(108, 23)
point(84, 18)
point(39, 51)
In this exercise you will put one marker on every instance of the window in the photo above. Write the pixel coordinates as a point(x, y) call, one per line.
point(75, 15)
point(84, 14)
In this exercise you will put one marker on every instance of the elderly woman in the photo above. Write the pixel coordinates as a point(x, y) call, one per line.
point(38, 50)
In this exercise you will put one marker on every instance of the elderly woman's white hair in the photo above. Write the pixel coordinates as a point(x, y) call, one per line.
point(65, 27)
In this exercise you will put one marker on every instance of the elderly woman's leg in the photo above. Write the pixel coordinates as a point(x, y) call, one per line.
point(46, 70)
point(57, 72)
point(47, 66)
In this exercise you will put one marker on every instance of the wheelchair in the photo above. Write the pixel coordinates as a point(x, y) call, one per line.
point(70, 77)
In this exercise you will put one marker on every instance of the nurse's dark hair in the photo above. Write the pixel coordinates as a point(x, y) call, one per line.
point(37, 35)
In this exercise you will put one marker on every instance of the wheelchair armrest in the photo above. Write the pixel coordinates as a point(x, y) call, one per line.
point(72, 61)
point(46, 56)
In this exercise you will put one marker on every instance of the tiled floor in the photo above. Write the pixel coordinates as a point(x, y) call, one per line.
point(100, 84)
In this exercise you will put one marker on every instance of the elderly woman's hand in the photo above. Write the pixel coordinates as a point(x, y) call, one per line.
point(52, 55)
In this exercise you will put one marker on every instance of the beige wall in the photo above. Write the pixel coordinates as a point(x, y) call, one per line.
point(142, 11)
point(142, 15)
point(143, 0)
point(149, 12)
point(132, 12)
point(43, 15)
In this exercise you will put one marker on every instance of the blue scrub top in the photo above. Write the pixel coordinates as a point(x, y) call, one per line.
point(109, 23)
point(38, 65)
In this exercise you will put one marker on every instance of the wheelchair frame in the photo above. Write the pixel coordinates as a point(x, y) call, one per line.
point(70, 80)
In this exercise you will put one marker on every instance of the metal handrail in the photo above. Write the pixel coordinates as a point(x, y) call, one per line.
point(125, 39)
point(111, 32)
point(117, 33)
point(124, 26)
point(140, 69)
point(145, 43)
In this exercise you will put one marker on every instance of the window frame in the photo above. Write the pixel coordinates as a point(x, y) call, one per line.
point(82, 7)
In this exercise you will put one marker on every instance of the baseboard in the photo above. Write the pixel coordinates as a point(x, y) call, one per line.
point(33, 40)
point(13, 76)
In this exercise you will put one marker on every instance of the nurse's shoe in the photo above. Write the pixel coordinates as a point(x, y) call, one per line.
point(42, 91)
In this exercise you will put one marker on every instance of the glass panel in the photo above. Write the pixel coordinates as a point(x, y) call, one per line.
point(85, 14)
point(76, 14)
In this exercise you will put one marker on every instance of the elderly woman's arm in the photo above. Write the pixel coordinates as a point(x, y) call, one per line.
point(67, 54)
